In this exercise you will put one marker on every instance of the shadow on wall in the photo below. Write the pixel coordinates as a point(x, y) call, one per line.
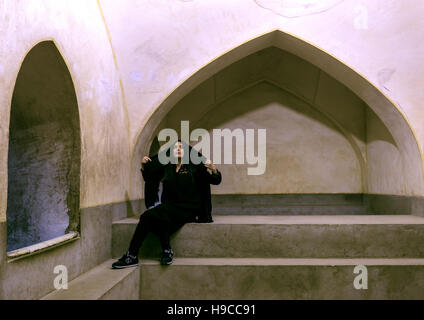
point(44, 151)
point(305, 151)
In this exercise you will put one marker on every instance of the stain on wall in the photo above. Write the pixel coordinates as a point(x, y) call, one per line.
point(44, 151)
point(297, 8)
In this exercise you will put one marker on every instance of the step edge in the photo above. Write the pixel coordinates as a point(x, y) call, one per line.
point(289, 262)
point(337, 220)
point(98, 293)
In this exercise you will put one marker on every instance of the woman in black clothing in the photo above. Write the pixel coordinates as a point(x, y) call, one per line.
point(185, 198)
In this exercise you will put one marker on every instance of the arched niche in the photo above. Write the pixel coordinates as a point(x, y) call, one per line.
point(44, 151)
point(397, 133)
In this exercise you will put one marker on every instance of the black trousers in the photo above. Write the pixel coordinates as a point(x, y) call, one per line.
point(162, 220)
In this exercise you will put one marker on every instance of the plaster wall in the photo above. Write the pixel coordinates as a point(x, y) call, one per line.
point(79, 33)
point(305, 152)
point(384, 161)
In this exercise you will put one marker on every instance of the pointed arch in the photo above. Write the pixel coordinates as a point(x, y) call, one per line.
point(389, 113)
point(44, 156)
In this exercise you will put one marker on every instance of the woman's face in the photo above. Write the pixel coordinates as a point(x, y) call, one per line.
point(178, 150)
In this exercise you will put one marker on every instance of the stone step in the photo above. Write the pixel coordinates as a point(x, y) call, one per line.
point(281, 199)
point(101, 283)
point(259, 278)
point(290, 210)
point(342, 236)
point(288, 204)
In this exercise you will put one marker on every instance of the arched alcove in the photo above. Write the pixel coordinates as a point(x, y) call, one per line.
point(44, 151)
point(317, 79)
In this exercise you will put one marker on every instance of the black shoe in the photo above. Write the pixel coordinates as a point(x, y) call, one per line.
point(126, 261)
point(167, 257)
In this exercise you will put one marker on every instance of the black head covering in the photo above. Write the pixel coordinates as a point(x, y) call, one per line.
point(190, 154)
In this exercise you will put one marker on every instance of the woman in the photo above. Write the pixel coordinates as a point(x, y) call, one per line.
point(185, 198)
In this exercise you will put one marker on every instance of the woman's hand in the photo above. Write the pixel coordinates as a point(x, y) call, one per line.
point(209, 164)
point(144, 161)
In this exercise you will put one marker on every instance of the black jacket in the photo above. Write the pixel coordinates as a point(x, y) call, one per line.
point(154, 172)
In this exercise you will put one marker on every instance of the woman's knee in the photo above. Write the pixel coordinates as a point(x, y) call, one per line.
point(146, 217)
point(148, 213)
